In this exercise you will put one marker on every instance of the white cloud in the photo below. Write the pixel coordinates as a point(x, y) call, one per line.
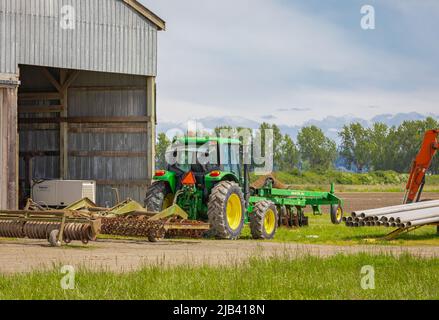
point(251, 57)
point(320, 103)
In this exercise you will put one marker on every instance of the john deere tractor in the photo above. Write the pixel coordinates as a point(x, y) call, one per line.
point(206, 178)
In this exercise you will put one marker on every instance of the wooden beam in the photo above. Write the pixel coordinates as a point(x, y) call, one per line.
point(106, 88)
point(8, 148)
point(133, 119)
point(39, 96)
point(108, 125)
point(151, 16)
point(38, 126)
point(151, 127)
point(3, 152)
point(39, 153)
point(40, 108)
point(109, 154)
point(51, 79)
point(108, 130)
point(69, 79)
point(10, 77)
point(63, 128)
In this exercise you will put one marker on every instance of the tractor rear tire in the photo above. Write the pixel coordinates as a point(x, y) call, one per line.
point(336, 214)
point(158, 196)
point(226, 210)
point(263, 220)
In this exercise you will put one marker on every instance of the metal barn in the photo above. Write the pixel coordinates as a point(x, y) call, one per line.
point(77, 95)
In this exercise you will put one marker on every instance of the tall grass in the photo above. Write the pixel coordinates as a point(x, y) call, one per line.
point(308, 277)
point(376, 178)
point(322, 231)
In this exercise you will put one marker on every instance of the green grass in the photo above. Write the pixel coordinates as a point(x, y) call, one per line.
point(338, 277)
point(360, 188)
point(377, 181)
point(322, 231)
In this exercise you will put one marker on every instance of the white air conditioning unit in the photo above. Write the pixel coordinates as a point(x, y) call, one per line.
point(61, 193)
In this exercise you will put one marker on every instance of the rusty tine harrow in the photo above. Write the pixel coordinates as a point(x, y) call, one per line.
point(53, 225)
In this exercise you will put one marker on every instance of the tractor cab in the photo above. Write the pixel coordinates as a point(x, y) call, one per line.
point(205, 158)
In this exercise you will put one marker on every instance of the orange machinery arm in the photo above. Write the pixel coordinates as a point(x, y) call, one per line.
point(420, 165)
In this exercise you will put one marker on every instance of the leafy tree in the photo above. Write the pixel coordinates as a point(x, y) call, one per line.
point(379, 142)
point(404, 143)
point(162, 145)
point(276, 142)
point(315, 148)
point(289, 157)
point(355, 145)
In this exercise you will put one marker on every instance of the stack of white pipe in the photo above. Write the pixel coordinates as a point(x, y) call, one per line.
point(401, 216)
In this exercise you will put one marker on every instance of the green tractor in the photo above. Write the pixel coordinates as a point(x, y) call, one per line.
point(209, 182)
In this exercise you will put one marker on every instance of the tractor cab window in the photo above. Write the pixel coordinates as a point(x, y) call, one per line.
point(197, 158)
point(229, 158)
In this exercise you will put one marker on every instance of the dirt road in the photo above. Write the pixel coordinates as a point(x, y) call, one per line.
point(123, 255)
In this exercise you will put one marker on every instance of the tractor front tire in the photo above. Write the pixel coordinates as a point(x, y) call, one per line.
point(158, 196)
point(263, 220)
point(336, 214)
point(226, 210)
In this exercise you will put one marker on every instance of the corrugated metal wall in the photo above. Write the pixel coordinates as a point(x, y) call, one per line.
point(34, 139)
point(113, 154)
point(127, 173)
point(108, 36)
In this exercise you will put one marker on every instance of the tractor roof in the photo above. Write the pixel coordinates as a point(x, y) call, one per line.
point(203, 140)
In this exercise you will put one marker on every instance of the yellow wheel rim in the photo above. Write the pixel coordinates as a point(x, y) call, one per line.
point(234, 212)
point(269, 221)
point(339, 213)
point(167, 201)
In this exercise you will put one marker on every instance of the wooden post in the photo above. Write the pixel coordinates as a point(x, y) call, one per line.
point(63, 128)
point(8, 143)
point(151, 126)
point(66, 79)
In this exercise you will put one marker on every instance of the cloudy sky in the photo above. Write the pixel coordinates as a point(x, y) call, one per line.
point(288, 61)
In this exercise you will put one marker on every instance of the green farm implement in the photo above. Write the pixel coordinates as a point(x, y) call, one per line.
point(207, 179)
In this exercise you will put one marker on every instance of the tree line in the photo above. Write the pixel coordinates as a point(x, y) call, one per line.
point(361, 148)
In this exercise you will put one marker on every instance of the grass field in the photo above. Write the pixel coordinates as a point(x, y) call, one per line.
point(338, 277)
point(322, 231)
point(360, 188)
point(378, 181)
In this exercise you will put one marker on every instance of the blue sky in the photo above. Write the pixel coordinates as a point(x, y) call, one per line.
point(292, 61)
